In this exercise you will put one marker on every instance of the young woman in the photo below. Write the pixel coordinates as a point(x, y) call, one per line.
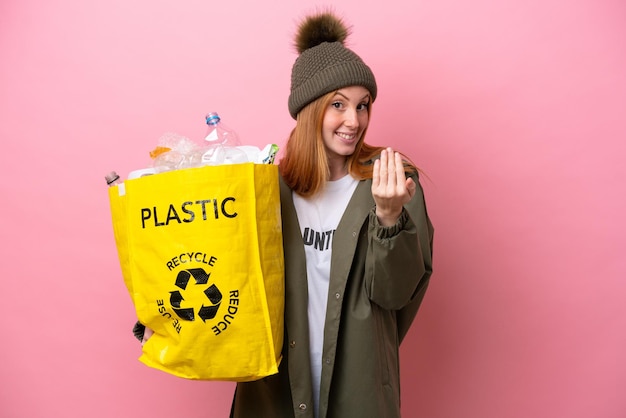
point(357, 243)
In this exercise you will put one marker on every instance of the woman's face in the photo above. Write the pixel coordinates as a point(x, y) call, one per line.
point(344, 121)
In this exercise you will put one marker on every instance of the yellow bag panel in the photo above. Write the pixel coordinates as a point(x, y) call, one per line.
point(201, 253)
point(120, 231)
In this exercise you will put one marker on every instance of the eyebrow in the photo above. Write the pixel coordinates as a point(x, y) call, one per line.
point(367, 96)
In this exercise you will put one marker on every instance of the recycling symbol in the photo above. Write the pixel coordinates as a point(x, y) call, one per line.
point(212, 293)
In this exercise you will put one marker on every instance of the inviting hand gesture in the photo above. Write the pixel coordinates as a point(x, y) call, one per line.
point(390, 187)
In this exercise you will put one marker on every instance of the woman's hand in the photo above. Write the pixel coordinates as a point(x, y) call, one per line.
point(390, 187)
point(146, 334)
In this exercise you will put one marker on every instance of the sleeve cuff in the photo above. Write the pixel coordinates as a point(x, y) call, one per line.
point(138, 330)
point(387, 232)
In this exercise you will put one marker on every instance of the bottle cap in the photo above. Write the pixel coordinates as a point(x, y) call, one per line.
point(212, 118)
point(111, 178)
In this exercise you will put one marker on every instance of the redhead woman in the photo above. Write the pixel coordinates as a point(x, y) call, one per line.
point(357, 243)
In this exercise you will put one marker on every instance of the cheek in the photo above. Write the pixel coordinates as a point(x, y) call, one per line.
point(330, 122)
point(326, 126)
point(364, 119)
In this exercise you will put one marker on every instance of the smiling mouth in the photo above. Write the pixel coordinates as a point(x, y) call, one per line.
point(347, 137)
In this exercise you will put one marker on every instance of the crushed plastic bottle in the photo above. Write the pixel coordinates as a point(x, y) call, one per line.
point(218, 133)
point(173, 152)
point(221, 144)
point(268, 154)
point(113, 179)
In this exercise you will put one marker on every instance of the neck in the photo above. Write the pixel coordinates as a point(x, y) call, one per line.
point(338, 169)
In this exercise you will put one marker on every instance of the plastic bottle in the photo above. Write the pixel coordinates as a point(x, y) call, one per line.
point(175, 151)
point(113, 179)
point(221, 143)
point(218, 133)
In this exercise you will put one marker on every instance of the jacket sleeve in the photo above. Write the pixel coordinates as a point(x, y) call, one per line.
point(138, 330)
point(399, 260)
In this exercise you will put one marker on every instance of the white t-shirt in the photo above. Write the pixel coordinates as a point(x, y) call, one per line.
point(319, 217)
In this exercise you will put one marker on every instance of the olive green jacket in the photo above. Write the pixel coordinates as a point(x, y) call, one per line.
point(378, 277)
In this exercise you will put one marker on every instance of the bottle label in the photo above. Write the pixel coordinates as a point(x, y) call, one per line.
point(212, 136)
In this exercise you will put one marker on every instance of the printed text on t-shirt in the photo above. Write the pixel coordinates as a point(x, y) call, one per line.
point(318, 240)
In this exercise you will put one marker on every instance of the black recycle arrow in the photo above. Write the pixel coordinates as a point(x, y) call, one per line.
point(208, 312)
point(199, 275)
point(176, 298)
point(212, 293)
point(185, 313)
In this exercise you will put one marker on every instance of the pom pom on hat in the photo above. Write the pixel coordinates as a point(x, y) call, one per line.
point(324, 27)
point(325, 64)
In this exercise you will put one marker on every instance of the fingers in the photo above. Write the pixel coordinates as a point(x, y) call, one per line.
point(391, 188)
point(391, 169)
point(389, 179)
point(410, 187)
point(389, 176)
point(384, 167)
point(376, 174)
point(147, 333)
point(399, 169)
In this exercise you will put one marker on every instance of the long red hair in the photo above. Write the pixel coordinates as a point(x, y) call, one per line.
point(304, 165)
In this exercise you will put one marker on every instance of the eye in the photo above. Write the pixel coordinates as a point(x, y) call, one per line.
point(363, 106)
point(336, 105)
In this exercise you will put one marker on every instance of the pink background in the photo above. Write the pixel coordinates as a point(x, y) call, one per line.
point(515, 109)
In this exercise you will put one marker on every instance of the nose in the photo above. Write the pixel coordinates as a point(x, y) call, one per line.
point(351, 118)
